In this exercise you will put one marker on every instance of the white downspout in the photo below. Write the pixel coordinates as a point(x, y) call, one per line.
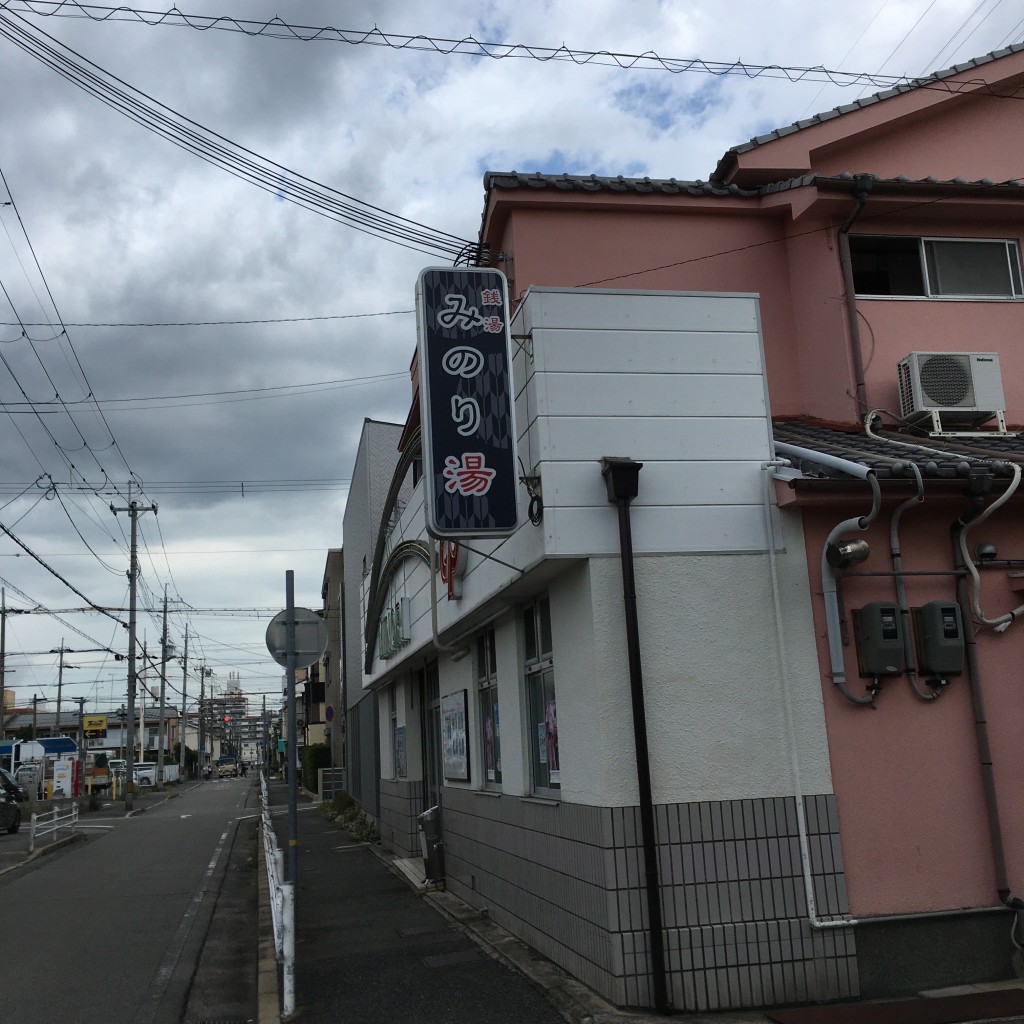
point(787, 705)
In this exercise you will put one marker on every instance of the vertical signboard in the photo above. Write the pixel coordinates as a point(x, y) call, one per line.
point(466, 402)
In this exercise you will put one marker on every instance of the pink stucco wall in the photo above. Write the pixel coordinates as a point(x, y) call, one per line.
point(907, 777)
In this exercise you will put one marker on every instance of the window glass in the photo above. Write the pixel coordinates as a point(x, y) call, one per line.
point(544, 619)
point(540, 694)
point(544, 730)
point(487, 690)
point(886, 266)
point(530, 634)
point(935, 267)
point(968, 268)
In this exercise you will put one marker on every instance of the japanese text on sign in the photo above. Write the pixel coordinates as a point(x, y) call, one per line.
point(466, 402)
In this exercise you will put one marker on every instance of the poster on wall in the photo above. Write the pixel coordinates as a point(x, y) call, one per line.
point(401, 768)
point(454, 743)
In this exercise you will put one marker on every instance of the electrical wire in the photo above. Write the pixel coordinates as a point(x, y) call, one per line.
point(468, 46)
point(213, 323)
point(221, 152)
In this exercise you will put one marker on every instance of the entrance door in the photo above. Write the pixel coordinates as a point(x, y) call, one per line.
point(430, 697)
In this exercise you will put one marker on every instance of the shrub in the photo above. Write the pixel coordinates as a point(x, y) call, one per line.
point(314, 757)
point(350, 817)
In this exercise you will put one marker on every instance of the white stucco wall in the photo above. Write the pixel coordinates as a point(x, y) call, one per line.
point(676, 382)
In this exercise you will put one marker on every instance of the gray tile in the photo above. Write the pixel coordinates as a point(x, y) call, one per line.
point(717, 826)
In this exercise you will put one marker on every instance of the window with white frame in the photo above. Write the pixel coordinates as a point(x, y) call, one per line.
point(539, 670)
point(957, 268)
point(487, 693)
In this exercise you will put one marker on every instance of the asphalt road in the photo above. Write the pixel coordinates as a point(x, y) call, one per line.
point(113, 928)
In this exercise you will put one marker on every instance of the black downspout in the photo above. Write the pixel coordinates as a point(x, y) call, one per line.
point(621, 477)
point(863, 183)
point(980, 720)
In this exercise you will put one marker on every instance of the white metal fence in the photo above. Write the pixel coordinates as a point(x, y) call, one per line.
point(282, 903)
point(49, 823)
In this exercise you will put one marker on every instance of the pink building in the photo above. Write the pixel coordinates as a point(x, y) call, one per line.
point(913, 199)
point(833, 689)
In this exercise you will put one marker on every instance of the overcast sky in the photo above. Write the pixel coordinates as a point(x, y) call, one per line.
point(244, 434)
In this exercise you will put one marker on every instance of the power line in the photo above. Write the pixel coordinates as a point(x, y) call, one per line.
point(467, 46)
point(216, 397)
point(242, 487)
point(213, 323)
point(216, 149)
point(53, 572)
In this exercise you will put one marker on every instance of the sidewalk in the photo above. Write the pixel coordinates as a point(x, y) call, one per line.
point(371, 945)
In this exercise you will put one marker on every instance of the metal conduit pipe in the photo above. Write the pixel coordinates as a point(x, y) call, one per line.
point(980, 719)
point(863, 183)
point(803, 833)
point(828, 580)
point(909, 654)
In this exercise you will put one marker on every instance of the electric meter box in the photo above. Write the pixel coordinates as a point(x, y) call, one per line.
point(879, 633)
point(940, 639)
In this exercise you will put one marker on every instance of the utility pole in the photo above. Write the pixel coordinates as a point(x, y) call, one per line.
point(142, 703)
point(80, 701)
point(35, 713)
point(202, 731)
point(183, 729)
point(163, 691)
point(133, 511)
point(3, 665)
point(62, 650)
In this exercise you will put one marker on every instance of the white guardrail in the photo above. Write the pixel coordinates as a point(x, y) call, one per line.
point(282, 903)
point(49, 823)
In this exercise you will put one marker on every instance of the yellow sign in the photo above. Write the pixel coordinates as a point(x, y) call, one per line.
point(94, 726)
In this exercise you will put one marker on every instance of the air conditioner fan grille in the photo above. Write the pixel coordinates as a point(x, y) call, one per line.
point(947, 381)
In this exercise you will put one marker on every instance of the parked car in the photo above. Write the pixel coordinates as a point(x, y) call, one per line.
point(145, 773)
point(12, 786)
point(10, 813)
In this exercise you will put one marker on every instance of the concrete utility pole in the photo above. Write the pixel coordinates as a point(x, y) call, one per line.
point(80, 701)
point(62, 650)
point(133, 511)
point(163, 691)
point(183, 727)
point(3, 664)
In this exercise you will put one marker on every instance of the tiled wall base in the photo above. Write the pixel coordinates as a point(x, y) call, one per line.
point(400, 803)
point(568, 880)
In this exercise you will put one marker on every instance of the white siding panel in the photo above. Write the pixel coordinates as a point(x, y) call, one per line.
point(588, 309)
point(649, 394)
point(694, 529)
point(569, 484)
point(678, 351)
point(585, 438)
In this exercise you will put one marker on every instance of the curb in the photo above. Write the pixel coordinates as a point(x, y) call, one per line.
point(44, 851)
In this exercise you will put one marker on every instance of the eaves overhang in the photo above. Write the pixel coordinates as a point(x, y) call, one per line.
point(897, 460)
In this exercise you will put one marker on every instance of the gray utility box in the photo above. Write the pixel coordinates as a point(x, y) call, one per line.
point(431, 843)
point(940, 639)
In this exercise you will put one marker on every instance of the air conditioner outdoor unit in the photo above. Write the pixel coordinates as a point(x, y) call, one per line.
point(962, 388)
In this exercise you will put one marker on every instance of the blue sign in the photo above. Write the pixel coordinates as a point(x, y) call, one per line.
point(467, 402)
